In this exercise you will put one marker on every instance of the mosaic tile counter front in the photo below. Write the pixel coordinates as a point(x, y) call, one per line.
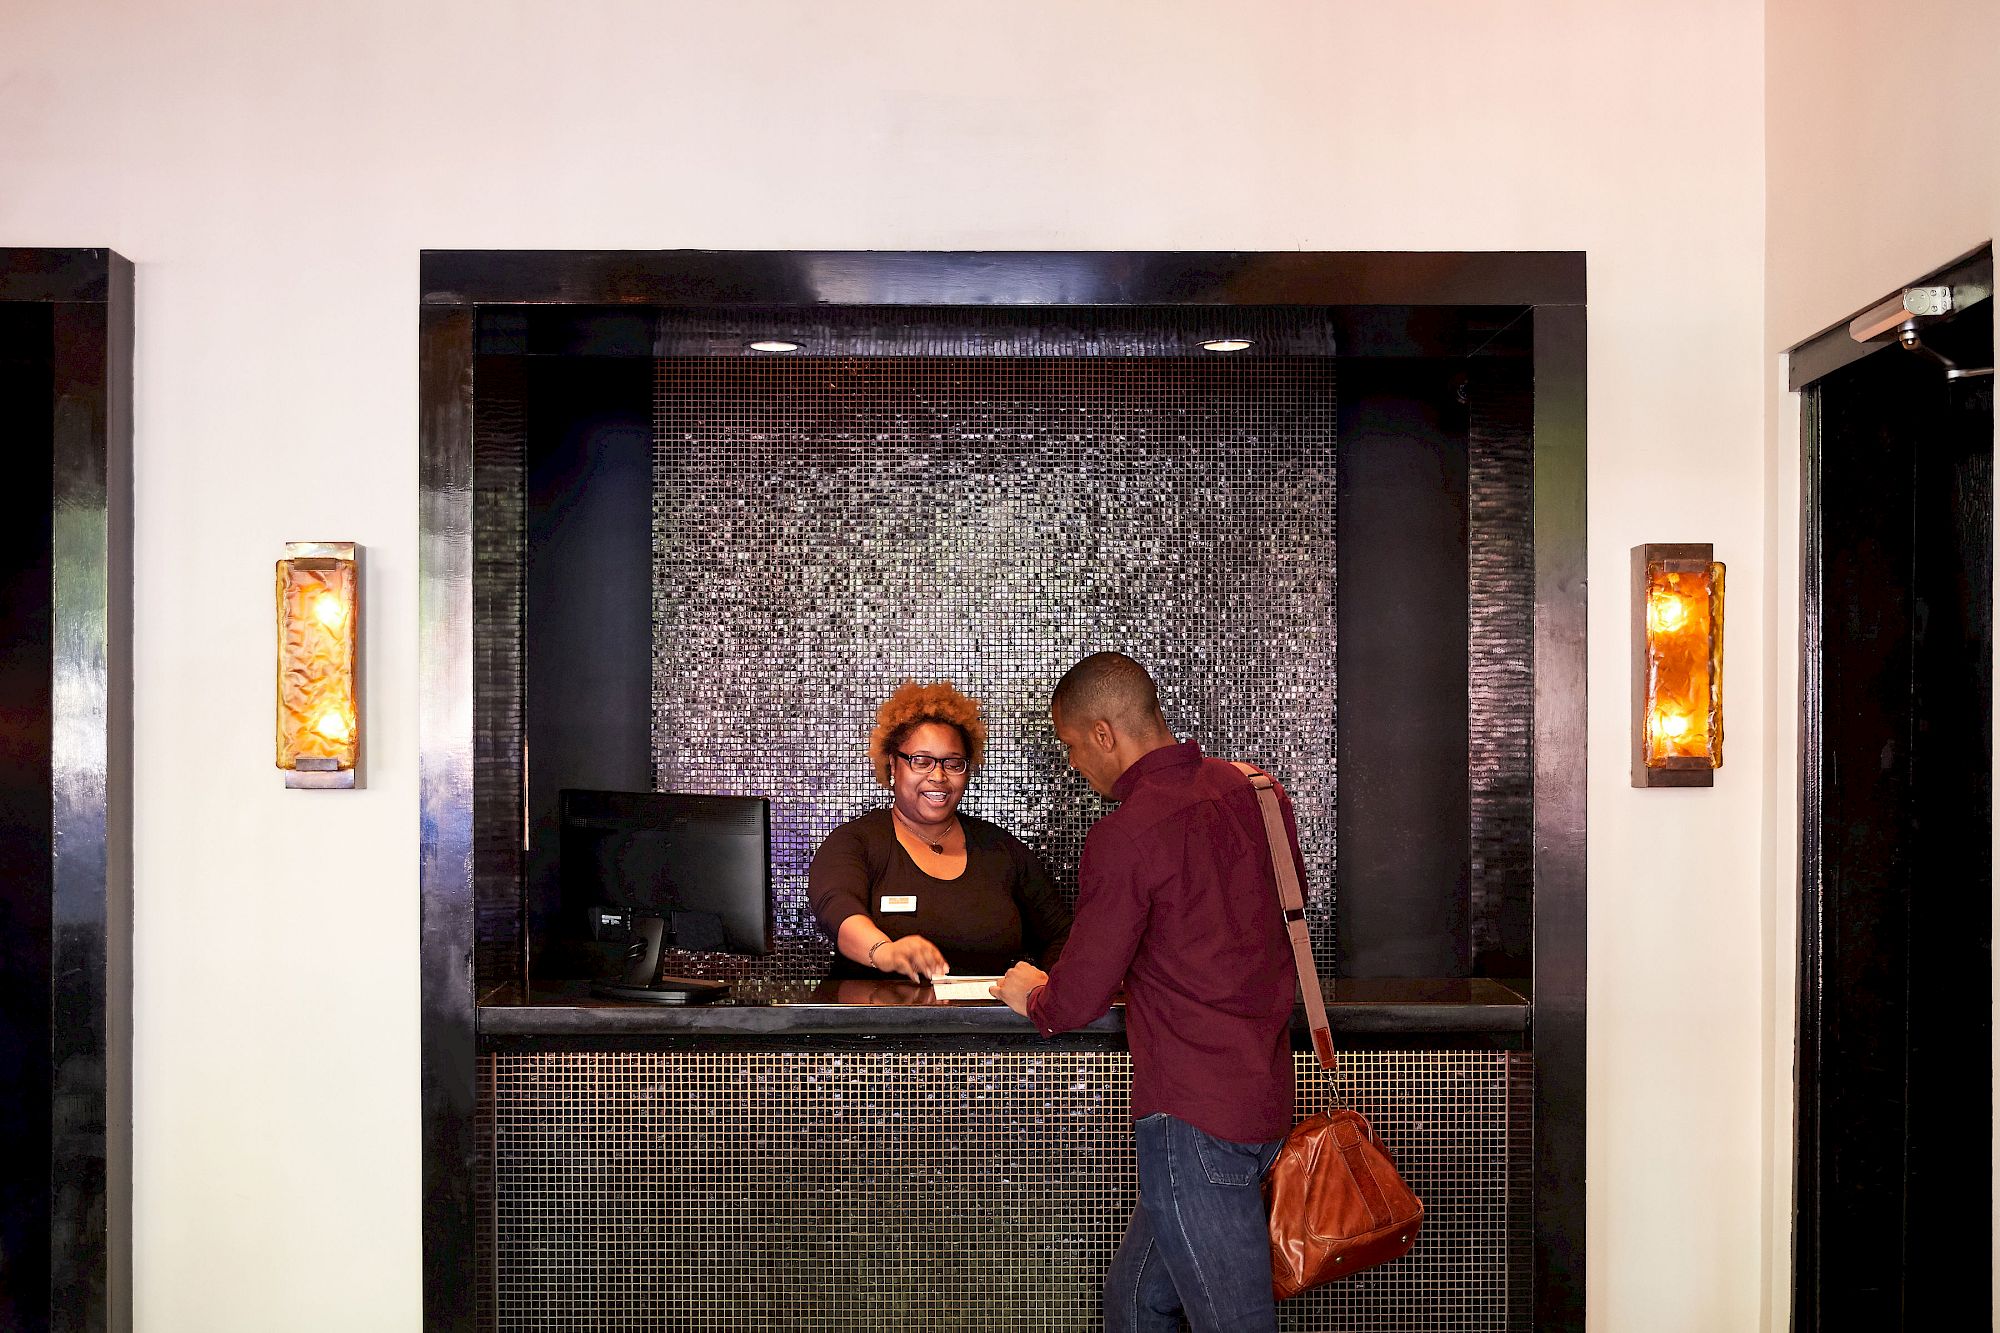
point(874, 1190)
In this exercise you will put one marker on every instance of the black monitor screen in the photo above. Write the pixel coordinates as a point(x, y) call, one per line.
point(703, 863)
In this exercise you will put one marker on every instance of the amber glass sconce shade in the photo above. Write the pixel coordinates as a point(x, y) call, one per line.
point(319, 626)
point(1677, 661)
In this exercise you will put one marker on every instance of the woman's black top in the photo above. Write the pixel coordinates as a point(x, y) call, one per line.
point(1002, 909)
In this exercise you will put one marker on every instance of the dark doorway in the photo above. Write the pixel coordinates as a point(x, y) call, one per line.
point(1893, 1226)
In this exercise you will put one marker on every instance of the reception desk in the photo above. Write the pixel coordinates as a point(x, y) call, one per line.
point(856, 1155)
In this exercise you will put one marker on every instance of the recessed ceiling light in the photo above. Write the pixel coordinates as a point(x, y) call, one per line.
point(773, 345)
point(1226, 344)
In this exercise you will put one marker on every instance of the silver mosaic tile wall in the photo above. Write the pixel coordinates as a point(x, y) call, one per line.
point(824, 527)
point(1500, 706)
point(904, 1189)
point(500, 546)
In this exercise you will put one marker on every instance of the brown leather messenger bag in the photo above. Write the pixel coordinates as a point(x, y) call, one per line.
point(1337, 1203)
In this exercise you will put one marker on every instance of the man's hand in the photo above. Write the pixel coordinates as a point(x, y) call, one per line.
point(914, 957)
point(1018, 985)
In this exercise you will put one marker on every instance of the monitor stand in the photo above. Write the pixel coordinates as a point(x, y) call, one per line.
point(642, 980)
point(663, 990)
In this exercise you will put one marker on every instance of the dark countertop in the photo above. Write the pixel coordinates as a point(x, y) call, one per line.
point(1428, 1009)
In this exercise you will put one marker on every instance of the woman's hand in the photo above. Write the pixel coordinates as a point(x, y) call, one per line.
point(914, 957)
point(882, 991)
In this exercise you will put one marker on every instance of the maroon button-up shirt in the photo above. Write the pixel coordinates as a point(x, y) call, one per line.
point(1178, 905)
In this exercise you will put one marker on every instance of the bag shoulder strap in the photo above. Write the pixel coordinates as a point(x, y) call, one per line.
point(1292, 901)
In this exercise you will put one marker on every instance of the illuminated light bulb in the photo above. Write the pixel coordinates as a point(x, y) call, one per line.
point(1674, 726)
point(1669, 612)
point(328, 610)
point(331, 724)
point(774, 345)
point(1226, 344)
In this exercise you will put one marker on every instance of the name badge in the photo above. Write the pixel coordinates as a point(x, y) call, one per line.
point(899, 902)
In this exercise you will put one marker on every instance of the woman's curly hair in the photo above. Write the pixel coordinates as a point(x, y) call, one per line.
point(910, 707)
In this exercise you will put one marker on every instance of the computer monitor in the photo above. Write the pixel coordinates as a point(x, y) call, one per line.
point(650, 869)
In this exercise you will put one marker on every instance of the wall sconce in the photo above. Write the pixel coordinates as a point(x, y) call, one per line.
point(1677, 665)
point(319, 624)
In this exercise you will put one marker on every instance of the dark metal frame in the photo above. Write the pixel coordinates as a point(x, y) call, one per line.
point(1810, 1020)
point(1833, 347)
point(89, 948)
point(1561, 881)
point(457, 284)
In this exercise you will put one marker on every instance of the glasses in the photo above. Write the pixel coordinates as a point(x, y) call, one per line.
point(923, 763)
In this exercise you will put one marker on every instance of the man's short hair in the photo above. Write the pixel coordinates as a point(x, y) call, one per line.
point(1108, 686)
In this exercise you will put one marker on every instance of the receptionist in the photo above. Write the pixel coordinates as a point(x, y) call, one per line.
point(918, 889)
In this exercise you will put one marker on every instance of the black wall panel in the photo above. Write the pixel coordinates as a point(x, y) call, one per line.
point(27, 625)
point(1405, 801)
point(588, 640)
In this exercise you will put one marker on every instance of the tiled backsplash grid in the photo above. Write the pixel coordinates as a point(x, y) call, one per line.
point(824, 527)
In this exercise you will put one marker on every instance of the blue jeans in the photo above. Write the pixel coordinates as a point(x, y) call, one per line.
point(1198, 1242)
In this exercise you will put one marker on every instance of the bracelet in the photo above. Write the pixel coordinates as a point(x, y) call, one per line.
point(872, 948)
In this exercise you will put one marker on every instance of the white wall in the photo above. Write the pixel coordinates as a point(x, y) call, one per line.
point(274, 174)
point(1882, 164)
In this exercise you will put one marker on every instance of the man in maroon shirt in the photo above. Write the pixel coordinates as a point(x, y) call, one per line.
point(1178, 907)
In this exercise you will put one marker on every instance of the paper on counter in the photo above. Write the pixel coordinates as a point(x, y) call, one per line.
point(964, 988)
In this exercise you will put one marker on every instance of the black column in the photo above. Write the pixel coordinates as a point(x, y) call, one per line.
point(65, 791)
point(26, 823)
point(588, 628)
point(1405, 805)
